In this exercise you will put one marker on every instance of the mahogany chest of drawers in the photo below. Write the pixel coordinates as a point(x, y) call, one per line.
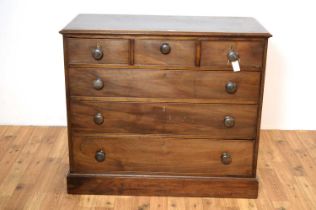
point(157, 105)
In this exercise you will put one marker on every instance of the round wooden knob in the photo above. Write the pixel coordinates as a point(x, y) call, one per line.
point(229, 122)
point(97, 53)
point(98, 118)
point(226, 158)
point(98, 84)
point(232, 55)
point(231, 87)
point(165, 48)
point(100, 156)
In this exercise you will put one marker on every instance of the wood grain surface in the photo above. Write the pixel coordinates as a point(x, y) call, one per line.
point(171, 84)
point(152, 104)
point(34, 164)
point(162, 155)
point(160, 186)
point(147, 52)
point(165, 25)
point(165, 118)
point(214, 53)
point(115, 51)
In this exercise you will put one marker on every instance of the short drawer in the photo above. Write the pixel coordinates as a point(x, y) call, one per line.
point(171, 84)
point(164, 52)
point(164, 155)
point(212, 120)
point(214, 53)
point(97, 51)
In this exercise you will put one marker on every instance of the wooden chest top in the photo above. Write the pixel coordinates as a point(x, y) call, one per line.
point(164, 25)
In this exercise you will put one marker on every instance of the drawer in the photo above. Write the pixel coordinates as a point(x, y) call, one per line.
point(97, 51)
point(164, 52)
point(212, 120)
point(214, 53)
point(171, 84)
point(144, 154)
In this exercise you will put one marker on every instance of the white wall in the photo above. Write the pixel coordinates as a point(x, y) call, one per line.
point(31, 62)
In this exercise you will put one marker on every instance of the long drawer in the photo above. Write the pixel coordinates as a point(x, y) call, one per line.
point(144, 154)
point(145, 83)
point(212, 120)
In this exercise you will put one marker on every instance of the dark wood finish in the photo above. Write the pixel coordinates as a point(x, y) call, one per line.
point(163, 118)
point(256, 145)
point(162, 185)
point(147, 52)
point(155, 109)
point(198, 53)
point(165, 25)
point(69, 129)
point(163, 67)
point(164, 84)
point(115, 51)
point(163, 155)
point(131, 51)
point(214, 53)
point(162, 100)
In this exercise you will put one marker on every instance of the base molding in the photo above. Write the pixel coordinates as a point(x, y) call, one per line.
point(157, 185)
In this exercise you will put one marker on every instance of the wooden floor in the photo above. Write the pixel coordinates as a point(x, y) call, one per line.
point(34, 163)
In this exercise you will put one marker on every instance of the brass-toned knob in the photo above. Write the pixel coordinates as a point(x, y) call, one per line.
point(98, 84)
point(97, 53)
point(226, 158)
point(231, 87)
point(232, 55)
point(165, 48)
point(100, 156)
point(98, 118)
point(229, 121)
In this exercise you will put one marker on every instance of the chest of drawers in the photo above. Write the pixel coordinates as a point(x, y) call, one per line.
point(155, 108)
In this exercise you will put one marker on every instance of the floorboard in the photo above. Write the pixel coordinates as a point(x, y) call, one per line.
point(34, 163)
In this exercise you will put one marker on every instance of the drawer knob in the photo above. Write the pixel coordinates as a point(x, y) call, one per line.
point(231, 87)
point(98, 118)
point(226, 158)
point(229, 121)
point(97, 53)
point(165, 48)
point(98, 84)
point(100, 156)
point(232, 55)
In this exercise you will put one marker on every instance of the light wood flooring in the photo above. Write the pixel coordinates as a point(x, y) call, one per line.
point(34, 163)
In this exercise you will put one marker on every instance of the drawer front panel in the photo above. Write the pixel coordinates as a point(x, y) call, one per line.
point(214, 53)
point(113, 51)
point(165, 84)
point(149, 52)
point(162, 155)
point(165, 118)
